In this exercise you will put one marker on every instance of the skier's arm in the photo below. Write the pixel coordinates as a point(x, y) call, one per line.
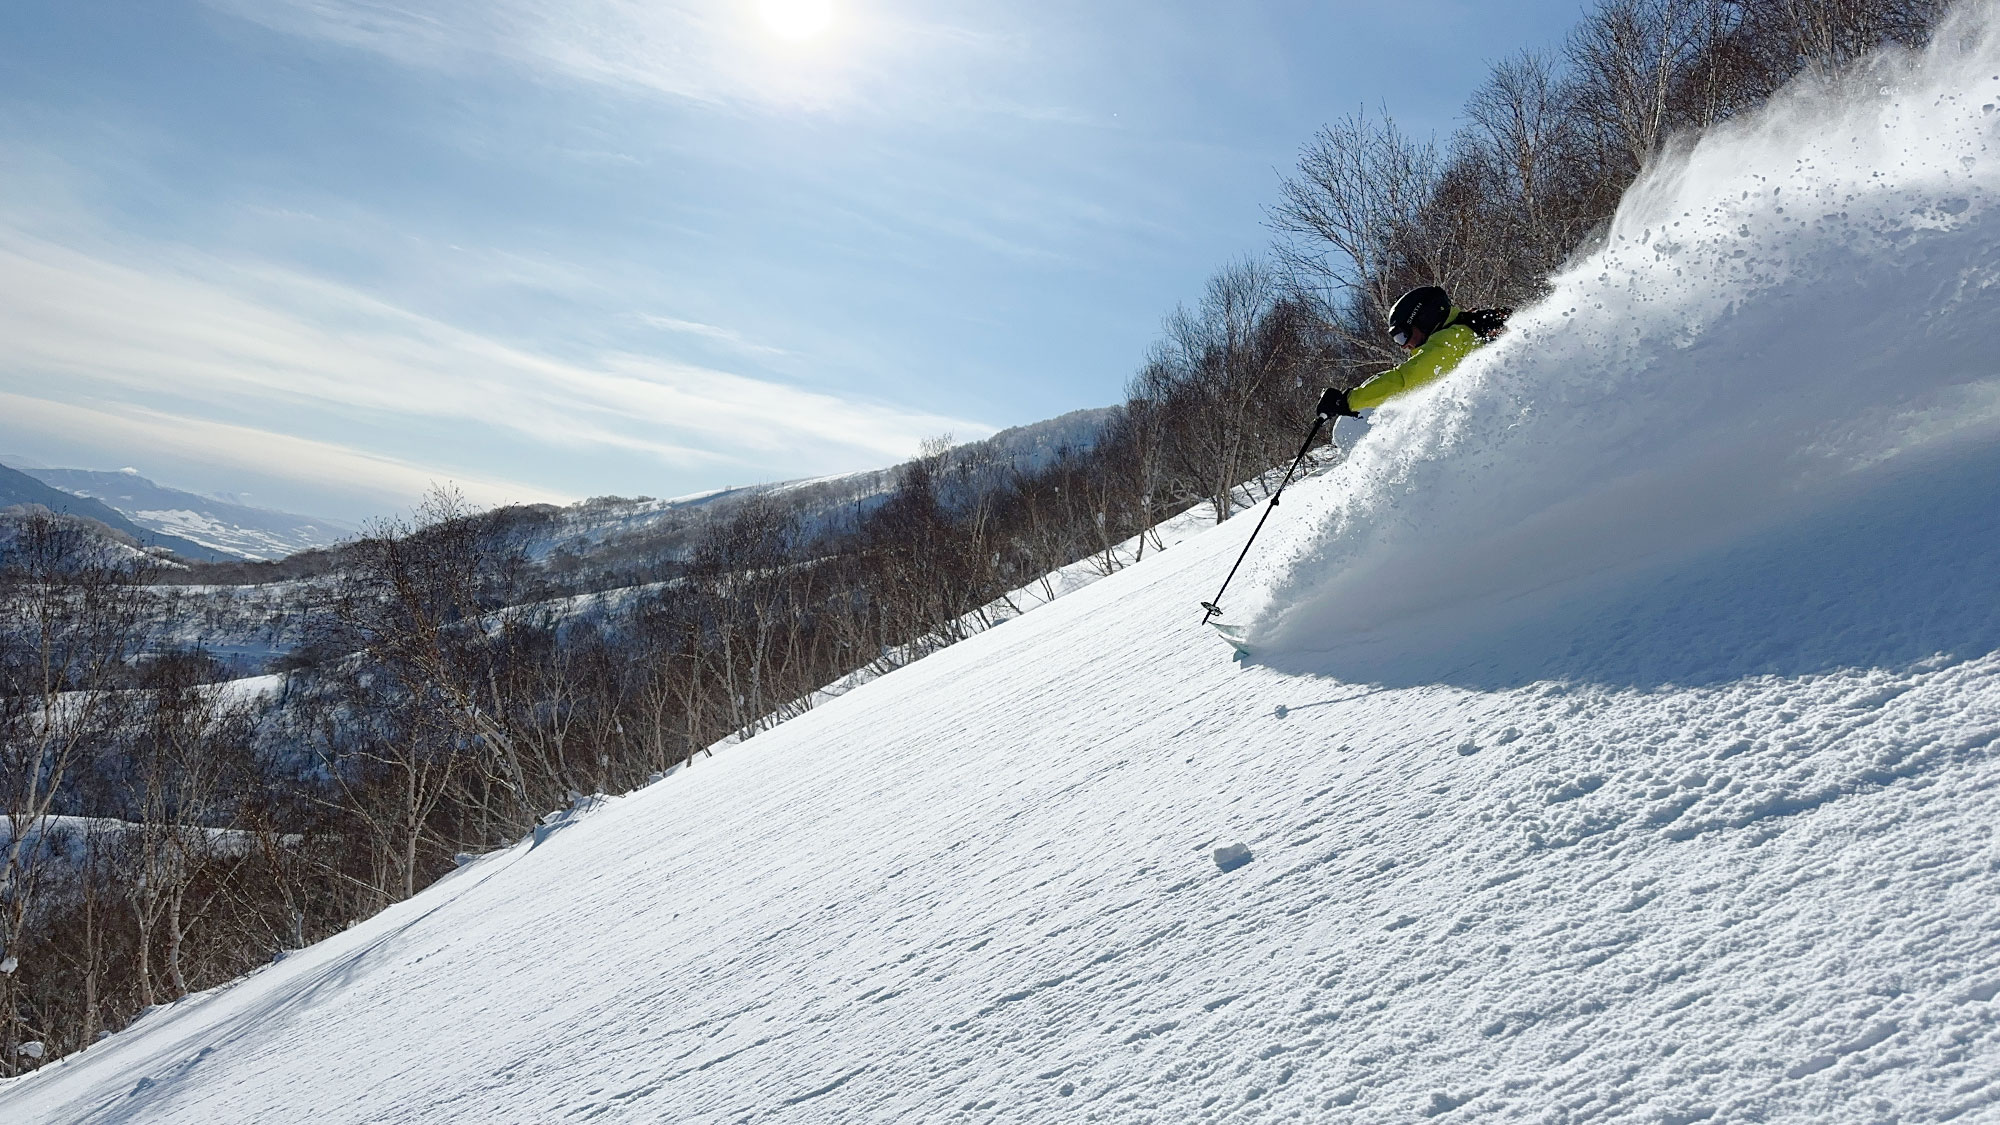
point(1432, 361)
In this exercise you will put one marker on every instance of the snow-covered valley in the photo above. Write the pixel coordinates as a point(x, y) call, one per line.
point(1619, 745)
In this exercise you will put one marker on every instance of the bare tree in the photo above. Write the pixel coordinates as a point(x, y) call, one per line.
point(1823, 36)
point(70, 617)
point(1539, 190)
point(418, 603)
point(1352, 224)
point(190, 753)
point(1633, 59)
point(1231, 379)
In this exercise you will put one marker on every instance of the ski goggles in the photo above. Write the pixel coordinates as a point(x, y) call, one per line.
point(1401, 336)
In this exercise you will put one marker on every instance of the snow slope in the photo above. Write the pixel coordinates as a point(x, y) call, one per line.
point(1668, 796)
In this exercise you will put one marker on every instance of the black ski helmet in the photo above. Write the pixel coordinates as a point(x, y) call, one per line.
point(1421, 310)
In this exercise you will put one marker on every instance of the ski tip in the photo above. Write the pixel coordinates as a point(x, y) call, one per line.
point(1237, 636)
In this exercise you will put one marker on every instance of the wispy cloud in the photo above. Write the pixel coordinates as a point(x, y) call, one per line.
point(911, 83)
point(720, 335)
point(184, 334)
point(425, 34)
point(264, 452)
point(712, 51)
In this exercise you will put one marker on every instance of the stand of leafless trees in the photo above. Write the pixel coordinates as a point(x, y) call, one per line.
point(164, 831)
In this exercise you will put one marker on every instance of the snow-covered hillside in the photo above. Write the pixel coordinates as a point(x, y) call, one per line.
point(1623, 745)
point(666, 528)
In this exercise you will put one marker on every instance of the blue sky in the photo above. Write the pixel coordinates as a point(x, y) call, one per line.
point(321, 253)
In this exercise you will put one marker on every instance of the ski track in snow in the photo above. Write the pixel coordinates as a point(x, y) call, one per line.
point(1709, 838)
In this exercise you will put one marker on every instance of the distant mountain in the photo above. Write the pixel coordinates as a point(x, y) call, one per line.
point(17, 487)
point(234, 530)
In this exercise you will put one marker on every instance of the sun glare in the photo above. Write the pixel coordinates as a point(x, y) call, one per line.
point(797, 20)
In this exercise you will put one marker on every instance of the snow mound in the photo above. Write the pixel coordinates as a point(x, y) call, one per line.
point(1782, 322)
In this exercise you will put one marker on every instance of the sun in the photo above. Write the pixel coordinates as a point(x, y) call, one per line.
point(797, 20)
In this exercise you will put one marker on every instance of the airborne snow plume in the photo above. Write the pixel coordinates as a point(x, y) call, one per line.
point(1785, 317)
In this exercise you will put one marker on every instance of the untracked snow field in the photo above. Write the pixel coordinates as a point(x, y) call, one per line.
point(1621, 743)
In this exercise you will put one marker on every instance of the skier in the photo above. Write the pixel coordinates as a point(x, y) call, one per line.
point(1437, 334)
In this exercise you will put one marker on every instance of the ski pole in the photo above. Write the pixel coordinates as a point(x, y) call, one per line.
point(1214, 607)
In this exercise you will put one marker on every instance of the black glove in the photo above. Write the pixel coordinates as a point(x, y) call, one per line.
point(1333, 404)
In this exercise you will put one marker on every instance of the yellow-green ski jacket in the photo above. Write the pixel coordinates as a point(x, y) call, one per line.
point(1441, 351)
